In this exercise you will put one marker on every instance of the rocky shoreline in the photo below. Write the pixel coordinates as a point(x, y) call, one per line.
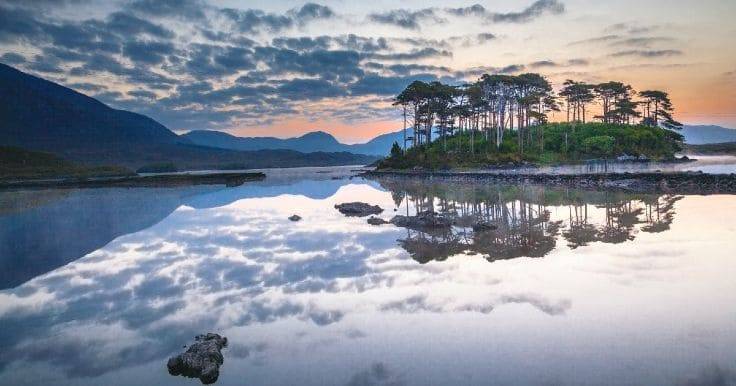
point(674, 183)
point(163, 180)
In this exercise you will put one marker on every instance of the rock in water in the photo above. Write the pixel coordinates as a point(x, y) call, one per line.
point(423, 221)
point(201, 360)
point(358, 209)
point(373, 220)
point(295, 217)
point(483, 226)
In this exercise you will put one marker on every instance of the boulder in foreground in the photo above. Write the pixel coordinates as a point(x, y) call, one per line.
point(358, 209)
point(201, 360)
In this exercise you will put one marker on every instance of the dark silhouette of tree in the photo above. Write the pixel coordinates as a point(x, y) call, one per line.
point(658, 109)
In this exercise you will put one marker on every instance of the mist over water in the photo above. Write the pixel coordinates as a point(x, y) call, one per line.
point(565, 287)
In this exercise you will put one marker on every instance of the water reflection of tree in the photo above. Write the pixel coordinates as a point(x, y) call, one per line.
point(518, 218)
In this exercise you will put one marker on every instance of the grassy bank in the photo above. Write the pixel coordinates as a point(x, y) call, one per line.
point(20, 164)
point(551, 144)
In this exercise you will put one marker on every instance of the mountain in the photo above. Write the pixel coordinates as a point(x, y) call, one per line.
point(310, 142)
point(702, 134)
point(44, 116)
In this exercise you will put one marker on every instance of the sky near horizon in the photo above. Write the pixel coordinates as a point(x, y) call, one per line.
point(284, 68)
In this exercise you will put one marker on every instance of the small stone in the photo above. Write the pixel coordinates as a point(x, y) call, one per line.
point(295, 217)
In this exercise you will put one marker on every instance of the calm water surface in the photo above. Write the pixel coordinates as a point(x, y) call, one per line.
point(101, 286)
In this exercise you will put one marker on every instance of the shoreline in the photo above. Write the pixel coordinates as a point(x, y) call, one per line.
point(645, 182)
point(137, 181)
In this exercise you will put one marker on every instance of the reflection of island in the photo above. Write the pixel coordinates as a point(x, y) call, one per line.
point(506, 222)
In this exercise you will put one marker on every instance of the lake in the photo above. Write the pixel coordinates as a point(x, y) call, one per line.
point(564, 287)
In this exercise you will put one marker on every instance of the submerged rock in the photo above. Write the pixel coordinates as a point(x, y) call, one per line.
point(426, 220)
point(373, 220)
point(201, 360)
point(295, 217)
point(358, 209)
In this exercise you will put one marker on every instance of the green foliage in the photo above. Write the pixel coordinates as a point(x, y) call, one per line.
point(563, 142)
point(601, 145)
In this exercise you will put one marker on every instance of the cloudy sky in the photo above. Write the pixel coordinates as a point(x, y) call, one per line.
point(282, 68)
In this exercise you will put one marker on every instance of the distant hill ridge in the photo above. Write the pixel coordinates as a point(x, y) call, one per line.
point(40, 115)
point(703, 134)
point(313, 141)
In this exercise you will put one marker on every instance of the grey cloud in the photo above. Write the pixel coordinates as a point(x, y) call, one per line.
point(252, 20)
point(551, 64)
point(88, 87)
point(127, 25)
point(308, 89)
point(538, 8)
point(631, 28)
point(18, 25)
point(312, 11)
point(647, 53)
point(185, 9)
point(44, 64)
point(207, 60)
point(511, 69)
point(472, 40)
point(407, 19)
point(542, 64)
point(409, 69)
point(578, 62)
point(423, 53)
point(302, 43)
point(599, 39)
point(642, 41)
point(329, 65)
point(473, 10)
point(12, 58)
point(142, 94)
point(533, 11)
point(345, 42)
point(385, 85)
point(148, 52)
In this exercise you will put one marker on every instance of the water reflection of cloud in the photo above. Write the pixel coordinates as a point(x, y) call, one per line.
point(712, 375)
point(419, 303)
point(245, 266)
point(378, 374)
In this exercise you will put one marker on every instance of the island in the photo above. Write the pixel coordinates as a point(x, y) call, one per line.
point(477, 130)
